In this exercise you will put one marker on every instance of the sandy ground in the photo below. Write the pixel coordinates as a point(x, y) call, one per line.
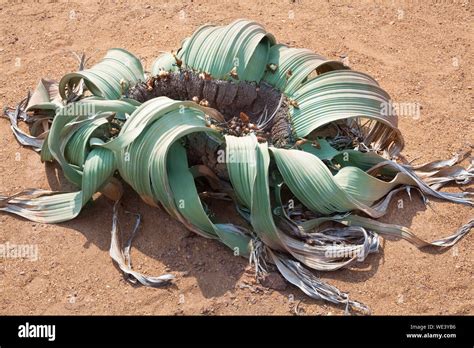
point(420, 52)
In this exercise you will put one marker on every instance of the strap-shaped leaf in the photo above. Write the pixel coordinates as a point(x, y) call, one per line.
point(288, 68)
point(166, 61)
point(343, 94)
point(217, 50)
point(116, 71)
